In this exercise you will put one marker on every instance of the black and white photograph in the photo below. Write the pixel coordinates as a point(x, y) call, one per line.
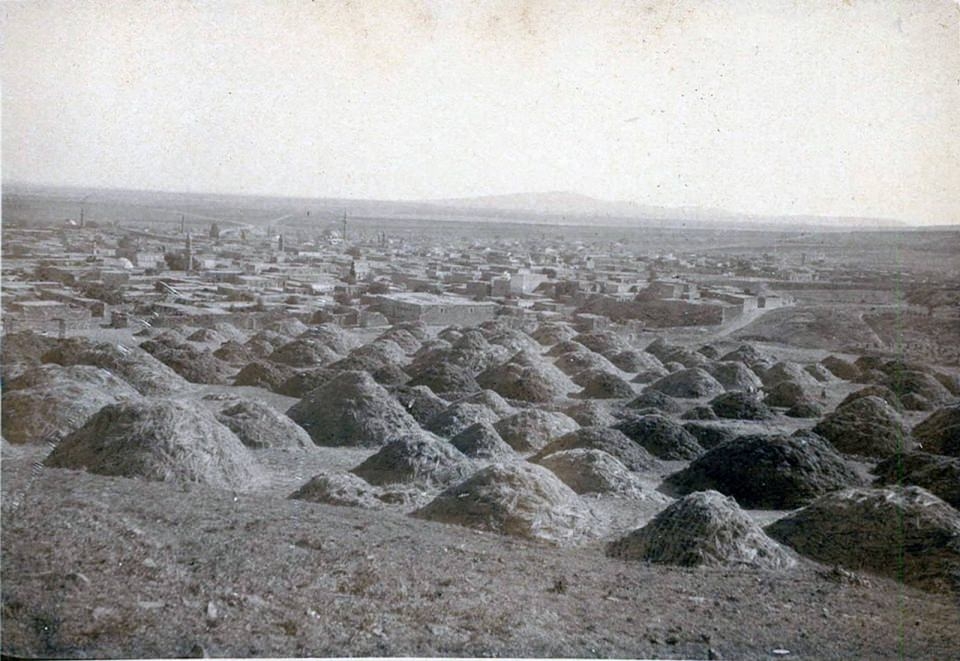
point(622, 329)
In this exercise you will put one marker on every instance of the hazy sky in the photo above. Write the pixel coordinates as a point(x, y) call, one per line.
point(767, 106)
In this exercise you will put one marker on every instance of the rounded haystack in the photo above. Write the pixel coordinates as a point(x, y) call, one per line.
point(206, 336)
point(804, 409)
point(612, 441)
point(566, 346)
point(514, 340)
point(234, 353)
point(867, 426)
point(304, 352)
point(390, 376)
point(864, 363)
point(733, 375)
point(767, 472)
point(818, 372)
point(700, 412)
point(164, 440)
point(263, 374)
point(405, 338)
point(443, 376)
point(710, 435)
point(919, 383)
point(299, 383)
point(914, 402)
point(663, 437)
point(840, 368)
point(599, 384)
point(786, 394)
point(654, 399)
point(354, 410)
point(631, 360)
point(591, 413)
point(550, 333)
point(673, 366)
point(660, 348)
point(193, 364)
point(260, 426)
point(603, 342)
point(531, 429)
point(343, 489)
point(481, 441)
point(710, 351)
point(372, 356)
point(145, 373)
point(703, 529)
point(526, 377)
point(940, 431)
point(491, 400)
point(688, 383)
point(871, 376)
point(787, 370)
point(683, 356)
point(938, 474)
point(592, 471)
point(949, 381)
point(420, 402)
point(475, 353)
point(418, 458)
point(522, 500)
point(649, 376)
point(574, 362)
point(739, 405)
point(458, 416)
point(261, 348)
point(749, 356)
point(48, 402)
point(334, 337)
point(864, 529)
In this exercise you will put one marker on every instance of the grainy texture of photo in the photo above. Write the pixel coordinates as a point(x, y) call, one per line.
point(485, 328)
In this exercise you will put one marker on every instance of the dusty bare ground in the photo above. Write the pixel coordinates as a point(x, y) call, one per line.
point(108, 567)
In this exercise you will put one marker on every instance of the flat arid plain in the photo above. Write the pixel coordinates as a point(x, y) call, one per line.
point(238, 426)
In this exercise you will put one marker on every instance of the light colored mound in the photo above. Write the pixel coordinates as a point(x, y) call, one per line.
point(343, 489)
point(481, 441)
point(531, 429)
point(522, 500)
point(372, 356)
point(566, 346)
point(526, 377)
point(418, 458)
point(750, 356)
point(788, 371)
point(491, 400)
point(420, 402)
point(574, 362)
point(603, 342)
point(940, 431)
point(304, 352)
point(258, 425)
point(145, 373)
point(599, 384)
point(288, 326)
point(513, 341)
point(204, 335)
point(263, 374)
point(354, 410)
point(334, 337)
point(458, 416)
point(408, 342)
point(663, 437)
point(47, 402)
point(631, 360)
point(703, 529)
point(905, 533)
point(164, 440)
point(234, 352)
point(551, 333)
point(612, 441)
point(867, 426)
point(688, 383)
point(734, 375)
point(767, 472)
point(649, 376)
point(591, 413)
point(593, 471)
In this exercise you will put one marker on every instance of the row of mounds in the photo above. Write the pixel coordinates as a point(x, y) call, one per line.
point(159, 439)
point(905, 533)
point(703, 529)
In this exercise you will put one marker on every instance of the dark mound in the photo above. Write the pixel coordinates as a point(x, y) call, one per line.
point(940, 431)
point(598, 384)
point(688, 383)
point(739, 405)
point(482, 441)
point(914, 402)
point(418, 458)
point(649, 376)
point(344, 489)
point(549, 334)
point(260, 426)
point(867, 426)
point(300, 383)
point(709, 351)
point(592, 471)
point(804, 409)
point(734, 376)
point(372, 357)
point(749, 356)
point(635, 457)
point(48, 402)
point(700, 413)
point(875, 390)
point(787, 394)
point(25, 347)
point(936, 473)
point(390, 375)
point(591, 413)
point(663, 437)
point(193, 364)
point(523, 500)
point(710, 435)
point(840, 368)
point(165, 440)
point(767, 472)
point(333, 336)
point(420, 402)
point(949, 381)
point(865, 529)
point(603, 342)
point(915, 382)
point(263, 374)
point(788, 371)
point(304, 352)
point(654, 399)
point(352, 409)
point(818, 372)
point(531, 429)
point(443, 376)
point(703, 529)
point(458, 416)
point(526, 377)
point(206, 335)
point(574, 362)
point(567, 346)
point(234, 353)
point(491, 400)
